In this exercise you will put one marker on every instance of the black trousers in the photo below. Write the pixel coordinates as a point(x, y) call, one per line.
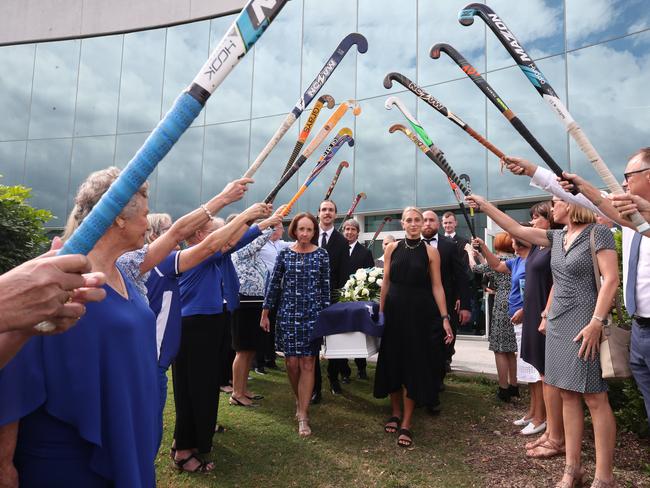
point(197, 374)
point(266, 349)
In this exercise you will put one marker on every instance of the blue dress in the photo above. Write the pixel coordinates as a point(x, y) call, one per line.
point(299, 289)
point(87, 399)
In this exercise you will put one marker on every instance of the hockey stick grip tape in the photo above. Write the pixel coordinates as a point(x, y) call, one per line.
point(282, 130)
point(482, 140)
point(160, 141)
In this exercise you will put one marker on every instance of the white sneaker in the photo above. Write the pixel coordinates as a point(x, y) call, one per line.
point(531, 429)
point(522, 421)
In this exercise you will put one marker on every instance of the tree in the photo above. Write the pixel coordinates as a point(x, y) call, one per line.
point(22, 232)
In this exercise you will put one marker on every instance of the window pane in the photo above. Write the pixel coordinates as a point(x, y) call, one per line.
point(225, 159)
point(141, 83)
point(47, 172)
point(391, 44)
point(99, 85)
point(384, 165)
point(12, 162)
point(538, 25)
point(89, 154)
point(534, 112)
point(186, 51)
point(126, 146)
point(179, 176)
point(325, 25)
point(232, 100)
point(15, 90)
point(463, 153)
point(438, 22)
point(599, 20)
point(610, 101)
point(276, 82)
point(55, 87)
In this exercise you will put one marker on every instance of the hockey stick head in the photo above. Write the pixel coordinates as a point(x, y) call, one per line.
point(410, 135)
point(388, 219)
point(436, 49)
point(351, 39)
point(327, 100)
point(343, 164)
point(466, 179)
point(361, 196)
point(398, 77)
point(390, 101)
point(466, 15)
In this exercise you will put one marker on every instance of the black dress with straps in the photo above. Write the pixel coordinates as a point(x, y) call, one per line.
point(411, 352)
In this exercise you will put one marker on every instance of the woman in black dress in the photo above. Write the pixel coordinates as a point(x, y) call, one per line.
point(411, 353)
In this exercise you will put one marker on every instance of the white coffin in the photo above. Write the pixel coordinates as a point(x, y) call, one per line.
point(350, 345)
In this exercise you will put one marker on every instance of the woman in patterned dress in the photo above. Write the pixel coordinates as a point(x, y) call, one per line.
point(574, 323)
point(502, 333)
point(299, 289)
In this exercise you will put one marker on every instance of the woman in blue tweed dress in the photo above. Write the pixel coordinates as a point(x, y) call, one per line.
point(299, 289)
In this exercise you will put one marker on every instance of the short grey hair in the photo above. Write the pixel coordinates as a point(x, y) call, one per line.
point(353, 223)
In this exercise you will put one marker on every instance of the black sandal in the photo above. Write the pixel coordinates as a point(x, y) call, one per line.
point(405, 442)
point(203, 466)
point(389, 429)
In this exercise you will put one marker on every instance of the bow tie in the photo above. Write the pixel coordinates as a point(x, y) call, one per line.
point(428, 240)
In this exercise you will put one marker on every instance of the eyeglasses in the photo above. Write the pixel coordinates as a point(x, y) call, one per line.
point(630, 173)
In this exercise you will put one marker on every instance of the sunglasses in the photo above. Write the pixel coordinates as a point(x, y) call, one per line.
point(630, 173)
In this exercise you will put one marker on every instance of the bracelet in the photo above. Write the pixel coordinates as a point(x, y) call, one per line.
point(207, 212)
point(448, 317)
point(600, 319)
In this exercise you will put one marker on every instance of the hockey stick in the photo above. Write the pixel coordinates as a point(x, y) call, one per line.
point(338, 141)
point(471, 222)
point(342, 164)
point(313, 145)
point(489, 92)
point(433, 102)
point(378, 231)
point(544, 88)
point(304, 101)
point(326, 100)
point(442, 163)
point(355, 202)
point(247, 28)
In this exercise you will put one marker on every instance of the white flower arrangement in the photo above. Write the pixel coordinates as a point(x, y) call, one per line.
point(364, 285)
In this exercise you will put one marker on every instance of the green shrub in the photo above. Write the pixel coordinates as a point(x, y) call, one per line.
point(22, 233)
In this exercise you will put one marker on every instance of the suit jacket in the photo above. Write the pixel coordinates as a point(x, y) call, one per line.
point(360, 258)
point(337, 248)
point(454, 272)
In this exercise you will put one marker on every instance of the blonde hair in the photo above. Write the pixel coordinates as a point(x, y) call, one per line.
point(412, 209)
point(89, 193)
point(580, 215)
point(156, 223)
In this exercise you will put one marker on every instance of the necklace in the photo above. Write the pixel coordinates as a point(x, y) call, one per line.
point(412, 247)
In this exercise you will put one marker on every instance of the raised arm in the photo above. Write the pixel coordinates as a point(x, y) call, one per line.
point(507, 223)
point(491, 259)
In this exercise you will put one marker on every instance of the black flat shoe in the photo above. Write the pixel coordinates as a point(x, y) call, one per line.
point(408, 442)
point(513, 390)
point(237, 403)
point(255, 397)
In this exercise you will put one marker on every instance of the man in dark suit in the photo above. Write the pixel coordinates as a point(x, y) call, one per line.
point(449, 224)
point(360, 258)
point(454, 272)
point(337, 247)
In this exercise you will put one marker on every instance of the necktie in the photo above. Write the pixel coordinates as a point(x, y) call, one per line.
point(630, 286)
point(323, 239)
point(351, 248)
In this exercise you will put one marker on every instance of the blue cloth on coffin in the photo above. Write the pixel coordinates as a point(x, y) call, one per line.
point(100, 378)
point(349, 317)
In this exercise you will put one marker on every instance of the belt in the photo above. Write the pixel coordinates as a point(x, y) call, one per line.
point(642, 322)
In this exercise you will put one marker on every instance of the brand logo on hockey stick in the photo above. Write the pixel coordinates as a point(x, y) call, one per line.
point(469, 70)
point(223, 55)
point(535, 77)
point(322, 77)
point(510, 37)
point(260, 10)
point(425, 96)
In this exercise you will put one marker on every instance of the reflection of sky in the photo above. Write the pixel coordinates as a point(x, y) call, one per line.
point(113, 90)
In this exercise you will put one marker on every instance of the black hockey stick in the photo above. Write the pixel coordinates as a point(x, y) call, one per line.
point(544, 88)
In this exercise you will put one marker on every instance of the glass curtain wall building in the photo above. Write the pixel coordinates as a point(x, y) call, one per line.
point(71, 107)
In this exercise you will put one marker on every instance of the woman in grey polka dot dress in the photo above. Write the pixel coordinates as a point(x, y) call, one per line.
point(574, 325)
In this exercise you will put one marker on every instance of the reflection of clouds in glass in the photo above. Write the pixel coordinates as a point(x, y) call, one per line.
point(276, 82)
point(141, 84)
point(12, 162)
point(47, 169)
point(179, 176)
point(391, 44)
point(55, 86)
point(610, 101)
point(232, 100)
point(186, 50)
point(15, 90)
point(99, 85)
point(89, 154)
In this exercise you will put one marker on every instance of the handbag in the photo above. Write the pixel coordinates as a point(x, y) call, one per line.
point(615, 338)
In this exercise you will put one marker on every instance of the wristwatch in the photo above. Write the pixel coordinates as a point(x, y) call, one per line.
point(448, 317)
point(603, 321)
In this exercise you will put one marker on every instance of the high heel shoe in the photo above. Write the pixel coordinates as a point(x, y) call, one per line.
point(577, 474)
point(598, 483)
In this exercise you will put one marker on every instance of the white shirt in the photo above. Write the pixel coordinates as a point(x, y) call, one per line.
point(352, 246)
point(451, 236)
point(642, 273)
point(433, 243)
point(270, 252)
point(327, 232)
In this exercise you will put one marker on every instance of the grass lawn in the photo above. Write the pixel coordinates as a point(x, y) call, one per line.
point(472, 443)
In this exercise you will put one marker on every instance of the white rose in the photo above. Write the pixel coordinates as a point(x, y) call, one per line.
point(374, 273)
point(365, 292)
point(348, 294)
point(372, 279)
point(360, 275)
point(349, 283)
point(380, 281)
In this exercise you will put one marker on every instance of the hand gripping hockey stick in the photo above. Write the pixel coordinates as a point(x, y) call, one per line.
point(247, 28)
point(544, 88)
point(327, 156)
point(355, 202)
point(325, 100)
point(342, 164)
point(304, 101)
point(378, 231)
point(433, 102)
